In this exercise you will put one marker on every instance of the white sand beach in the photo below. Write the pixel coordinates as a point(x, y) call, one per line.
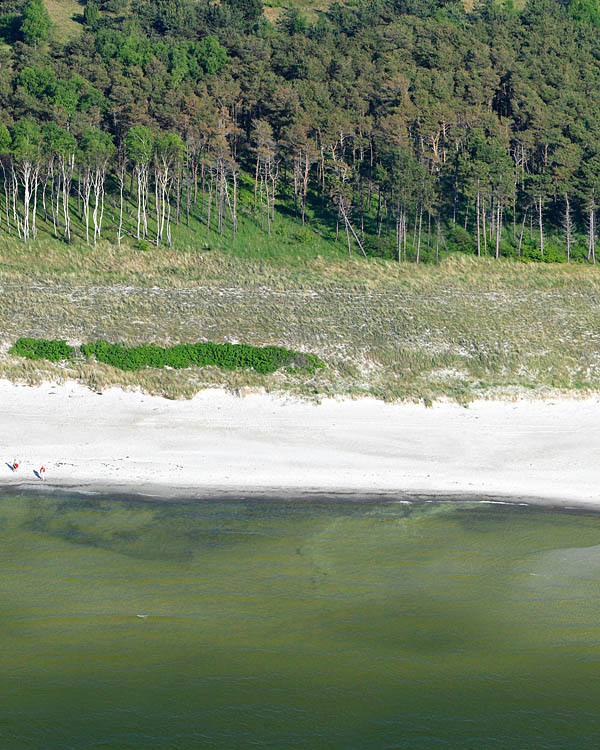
point(218, 443)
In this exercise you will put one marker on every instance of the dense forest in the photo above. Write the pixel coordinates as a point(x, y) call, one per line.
point(412, 127)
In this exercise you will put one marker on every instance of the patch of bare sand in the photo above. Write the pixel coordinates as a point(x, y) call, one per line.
point(219, 443)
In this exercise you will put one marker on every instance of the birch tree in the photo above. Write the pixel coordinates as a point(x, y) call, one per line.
point(27, 160)
point(168, 152)
point(61, 147)
point(97, 151)
point(565, 162)
point(223, 171)
point(590, 194)
point(266, 171)
point(302, 152)
point(139, 146)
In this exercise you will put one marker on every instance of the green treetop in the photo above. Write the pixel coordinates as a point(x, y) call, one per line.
point(36, 23)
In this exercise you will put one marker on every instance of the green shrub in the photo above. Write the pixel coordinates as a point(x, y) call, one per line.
point(265, 359)
point(114, 6)
point(553, 253)
point(54, 351)
point(507, 249)
point(377, 247)
point(226, 356)
point(461, 241)
point(578, 252)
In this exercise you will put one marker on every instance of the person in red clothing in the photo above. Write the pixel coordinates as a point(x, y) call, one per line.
point(42, 472)
point(15, 464)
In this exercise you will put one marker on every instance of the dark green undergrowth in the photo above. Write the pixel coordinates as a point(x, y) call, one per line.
point(265, 359)
point(52, 350)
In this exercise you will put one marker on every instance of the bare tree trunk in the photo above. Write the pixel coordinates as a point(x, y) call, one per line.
point(514, 218)
point(208, 209)
point(96, 181)
point(145, 189)
point(541, 225)
point(157, 207)
point(55, 196)
point(67, 167)
point(87, 186)
point(121, 185)
point(169, 226)
point(350, 228)
point(195, 177)
point(498, 227)
point(234, 214)
point(454, 200)
point(414, 242)
point(15, 193)
point(221, 196)
point(305, 184)
point(44, 184)
point(178, 205)
point(522, 231)
point(256, 181)
point(478, 225)
point(35, 193)
point(187, 198)
point(483, 228)
point(348, 239)
point(139, 203)
point(428, 229)
point(398, 232)
point(419, 239)
point(568, 226)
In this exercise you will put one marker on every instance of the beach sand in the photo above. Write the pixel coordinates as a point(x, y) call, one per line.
point(219, 444)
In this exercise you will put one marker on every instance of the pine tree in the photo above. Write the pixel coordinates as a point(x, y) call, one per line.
point(91, 14)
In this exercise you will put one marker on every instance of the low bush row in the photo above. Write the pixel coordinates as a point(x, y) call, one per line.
point(263, 359)
point(54, 351)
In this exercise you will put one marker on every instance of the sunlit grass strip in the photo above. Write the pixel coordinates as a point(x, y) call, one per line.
point(461, 330)
point(265, 359)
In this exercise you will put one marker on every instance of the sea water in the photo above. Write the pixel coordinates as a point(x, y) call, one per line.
point(130, 624)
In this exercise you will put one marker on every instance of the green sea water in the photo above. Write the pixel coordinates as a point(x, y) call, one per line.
point(297, 625)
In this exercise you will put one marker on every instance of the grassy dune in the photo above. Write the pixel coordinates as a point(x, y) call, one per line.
point(463, 329)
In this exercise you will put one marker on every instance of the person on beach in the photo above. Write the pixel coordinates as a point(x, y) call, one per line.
point(15, 464)
point(42, 472)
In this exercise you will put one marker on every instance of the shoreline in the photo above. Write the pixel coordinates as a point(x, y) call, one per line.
point(162, 494)
point(221, 446)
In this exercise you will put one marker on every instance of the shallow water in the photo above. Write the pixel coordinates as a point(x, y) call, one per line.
point(279, 625)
